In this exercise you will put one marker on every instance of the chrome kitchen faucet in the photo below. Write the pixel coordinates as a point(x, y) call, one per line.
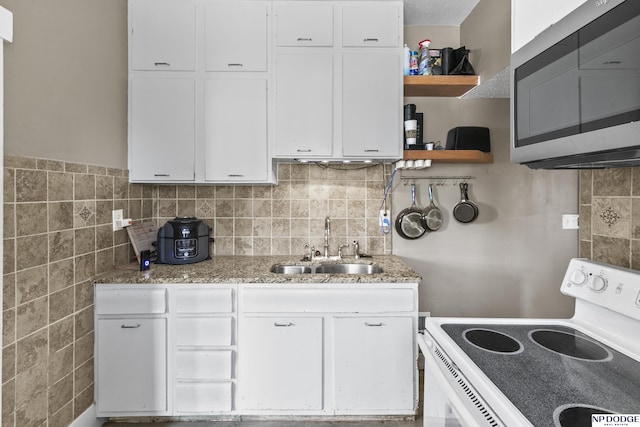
point(327, 231)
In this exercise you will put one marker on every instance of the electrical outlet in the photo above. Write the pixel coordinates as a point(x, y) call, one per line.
point(117, 216)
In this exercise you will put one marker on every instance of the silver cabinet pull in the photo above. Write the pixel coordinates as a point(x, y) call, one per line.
point(371, 151)
point(370, 40)
point(304, 39)
point(235, 175)
point(283, 325)
point(303, 150)
point(235, 65)
point(161, 174)
point(373, 324)
point(130, 326)
point(164, 64)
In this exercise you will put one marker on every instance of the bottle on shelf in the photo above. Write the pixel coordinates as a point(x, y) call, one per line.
point(424, 65)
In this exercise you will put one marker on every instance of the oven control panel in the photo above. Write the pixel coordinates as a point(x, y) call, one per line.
point(612, 287)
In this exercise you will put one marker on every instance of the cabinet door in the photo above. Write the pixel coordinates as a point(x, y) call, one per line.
point(375, 363)
point(376, 25)
point(163, 37)
point(304, 104)
point(304, 24)
point(162, 130)
point(371, 105)
point(131, 365)
point(236, 130)
point(231, 44)
point(280, 363)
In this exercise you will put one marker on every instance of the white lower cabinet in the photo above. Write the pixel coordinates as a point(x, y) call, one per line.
point(256, 349)
point(373, 363)
point(281, 363)
point(131, 365)
point(332, 349)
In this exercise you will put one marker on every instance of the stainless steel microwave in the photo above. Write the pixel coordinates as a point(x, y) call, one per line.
point(575, 90)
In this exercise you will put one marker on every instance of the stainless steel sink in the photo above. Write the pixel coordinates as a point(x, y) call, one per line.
point(291, 269)
point(348, 269)
point(327, 269)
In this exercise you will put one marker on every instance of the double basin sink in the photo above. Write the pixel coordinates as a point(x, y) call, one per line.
point(327, 269)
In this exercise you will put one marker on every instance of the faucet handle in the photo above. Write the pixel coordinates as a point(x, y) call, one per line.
point(356, 249)
point(344, 245)
point(312, 252)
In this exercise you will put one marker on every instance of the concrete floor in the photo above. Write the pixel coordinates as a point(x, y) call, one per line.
point(385, 423)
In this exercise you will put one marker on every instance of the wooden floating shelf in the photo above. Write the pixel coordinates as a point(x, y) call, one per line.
point(439, 85)
point(449, 156)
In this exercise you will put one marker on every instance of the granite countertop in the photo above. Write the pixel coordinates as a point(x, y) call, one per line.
point(256, 269)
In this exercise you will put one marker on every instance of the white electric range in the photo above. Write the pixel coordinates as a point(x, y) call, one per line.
point(540, 372)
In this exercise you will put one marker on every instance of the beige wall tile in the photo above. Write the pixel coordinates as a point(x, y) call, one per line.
point(61, 245)
point(31, 316)
point(61, 336)
point(60, 186)
point(60, 363)
point(31, 284)
point(32, 251)
point(60, 394)
point(31, 185)
point(61, 304)
point(31, 358)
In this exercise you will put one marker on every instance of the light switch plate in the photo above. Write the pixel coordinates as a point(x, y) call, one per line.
point(117, 216)
point(570, 221)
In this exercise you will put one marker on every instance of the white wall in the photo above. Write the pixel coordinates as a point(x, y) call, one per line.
point(67, 65)
point(511, 260)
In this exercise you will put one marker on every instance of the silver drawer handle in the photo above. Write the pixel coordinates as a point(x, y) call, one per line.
point(130, 326)
point(235, 65)
point(371, 151)
point(370, 40)
point(161, 174)
point(283, 325)
point(164, 64)
point(305, 150)
point(304, 39)
point(236, 175)
point(373, 324)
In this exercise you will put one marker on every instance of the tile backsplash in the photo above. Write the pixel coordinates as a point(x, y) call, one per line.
point(281, 219)
point(610, 216)
point(58, 237)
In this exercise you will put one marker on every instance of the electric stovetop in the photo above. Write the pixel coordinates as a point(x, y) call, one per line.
point(555, 375)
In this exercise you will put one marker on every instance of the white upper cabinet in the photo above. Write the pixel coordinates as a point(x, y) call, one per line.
point(304, 23)
point(163, 37)
point(371, 117)
point(162, 130)
point(236, 130)
point(236, 36)
point(304, 104)
point(338, 98)
point(530, 18)
point(377, 25)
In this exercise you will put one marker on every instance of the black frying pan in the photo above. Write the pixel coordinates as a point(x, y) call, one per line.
point(409, 222)
point(465, 211)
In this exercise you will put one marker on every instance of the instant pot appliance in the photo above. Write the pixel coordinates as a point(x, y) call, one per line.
point(577, 372)
point(183, 240)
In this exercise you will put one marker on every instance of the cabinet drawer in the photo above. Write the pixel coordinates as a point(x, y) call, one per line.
point(304, 24)
point(376, 26)
point(130, 301)
point(202, 331)
point(327, 300)
point(204, 301)
point(204, 396)
point(204, 364)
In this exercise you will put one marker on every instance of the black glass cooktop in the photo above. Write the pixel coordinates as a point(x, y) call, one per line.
point(555, 375)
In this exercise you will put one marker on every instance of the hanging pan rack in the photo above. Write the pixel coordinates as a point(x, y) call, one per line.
point(438, 180)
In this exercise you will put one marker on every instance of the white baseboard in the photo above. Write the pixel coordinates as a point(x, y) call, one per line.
point(88, 418)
